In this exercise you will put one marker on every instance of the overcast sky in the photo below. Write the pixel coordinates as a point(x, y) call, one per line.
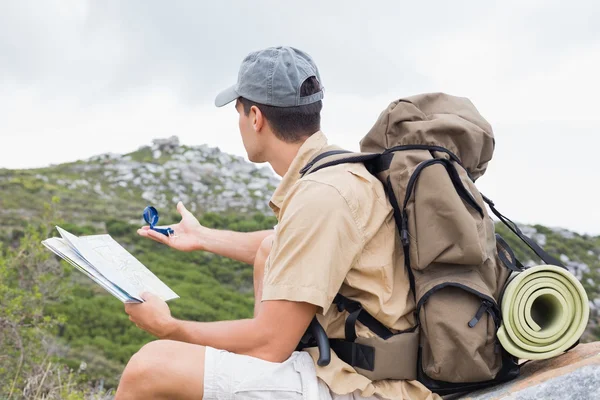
point(79, 78)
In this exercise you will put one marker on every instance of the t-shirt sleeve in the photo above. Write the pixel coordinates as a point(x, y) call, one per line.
point(317, 242)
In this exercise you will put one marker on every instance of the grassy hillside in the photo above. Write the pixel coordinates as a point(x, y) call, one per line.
point(98, 331)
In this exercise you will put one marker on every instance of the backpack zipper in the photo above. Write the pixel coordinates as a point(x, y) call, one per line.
point(486, 306)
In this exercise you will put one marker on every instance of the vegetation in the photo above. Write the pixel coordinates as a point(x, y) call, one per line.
point(65, 321)
point(31, 281)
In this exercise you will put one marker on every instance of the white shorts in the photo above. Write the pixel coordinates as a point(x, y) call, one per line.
point(229, 376)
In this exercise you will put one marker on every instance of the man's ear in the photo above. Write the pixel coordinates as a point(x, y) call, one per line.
point(258, 118)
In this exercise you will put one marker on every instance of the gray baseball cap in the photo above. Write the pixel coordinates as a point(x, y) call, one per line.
point(273, 77)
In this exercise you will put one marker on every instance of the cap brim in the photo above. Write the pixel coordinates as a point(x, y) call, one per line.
point(226, 96)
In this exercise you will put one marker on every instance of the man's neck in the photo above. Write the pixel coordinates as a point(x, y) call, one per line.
point(283, 155)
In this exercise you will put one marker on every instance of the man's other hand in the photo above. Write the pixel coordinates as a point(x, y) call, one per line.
point(188, 232)
point(153, 315)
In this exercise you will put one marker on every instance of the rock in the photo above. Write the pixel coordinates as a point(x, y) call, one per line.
point(528, 230)
point(168, 144)
point(540, 238)
point(573, 375)
point(564, 233)
point(577, 268)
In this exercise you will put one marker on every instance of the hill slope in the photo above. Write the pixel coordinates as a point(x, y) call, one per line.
point(120, 186)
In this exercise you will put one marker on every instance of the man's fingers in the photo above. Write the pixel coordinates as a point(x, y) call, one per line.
point(143, 231)
point(147, 296)
point(158, 237)
point(182, 210)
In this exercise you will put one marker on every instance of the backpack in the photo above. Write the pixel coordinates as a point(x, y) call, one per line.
point(428, 150)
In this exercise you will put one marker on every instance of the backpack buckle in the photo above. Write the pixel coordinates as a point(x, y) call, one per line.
point(404, 231)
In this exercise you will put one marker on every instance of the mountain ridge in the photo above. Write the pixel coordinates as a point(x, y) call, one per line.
point(204, 178)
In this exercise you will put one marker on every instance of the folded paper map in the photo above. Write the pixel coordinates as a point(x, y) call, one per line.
point(108, 264)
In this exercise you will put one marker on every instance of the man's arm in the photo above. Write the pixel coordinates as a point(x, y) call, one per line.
point(259, 270)
point(272, 335)
point(240, 246)
point(190, 235)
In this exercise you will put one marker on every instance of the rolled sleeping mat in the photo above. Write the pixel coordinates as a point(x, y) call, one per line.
point(544, 310)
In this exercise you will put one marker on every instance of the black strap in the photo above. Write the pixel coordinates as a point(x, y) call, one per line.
point(460, 186)
point(423, 147)
point(350, 325)
point(320, 157)
point(541, 253)
point(357, 313)
point(398, 217)
point(361, 158)
point(431, 149)
point(355, 354)
point(511, 262)
point(454, 178)
point(379, 164)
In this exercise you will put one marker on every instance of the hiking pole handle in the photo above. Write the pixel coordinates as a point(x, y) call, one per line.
point(322, 342)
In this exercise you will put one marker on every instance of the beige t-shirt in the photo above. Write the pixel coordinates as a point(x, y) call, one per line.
point(336, 233)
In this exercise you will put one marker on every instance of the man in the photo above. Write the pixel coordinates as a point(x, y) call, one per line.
point(335, 233)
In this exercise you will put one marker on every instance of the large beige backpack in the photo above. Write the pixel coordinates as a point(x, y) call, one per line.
point(428, 150)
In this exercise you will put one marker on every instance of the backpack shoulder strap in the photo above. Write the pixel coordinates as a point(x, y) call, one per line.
point(336, 156)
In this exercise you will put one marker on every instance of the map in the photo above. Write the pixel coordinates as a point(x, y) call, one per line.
point(110, 265)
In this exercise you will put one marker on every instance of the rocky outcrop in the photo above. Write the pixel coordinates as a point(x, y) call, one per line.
point(573, 375)
point(203, 177)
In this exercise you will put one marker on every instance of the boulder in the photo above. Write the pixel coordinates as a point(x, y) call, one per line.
point(573, 375)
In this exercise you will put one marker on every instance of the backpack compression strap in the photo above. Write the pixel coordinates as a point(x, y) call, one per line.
point(541, 253)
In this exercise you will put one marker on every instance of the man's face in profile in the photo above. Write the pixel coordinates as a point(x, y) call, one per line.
point(250, 137)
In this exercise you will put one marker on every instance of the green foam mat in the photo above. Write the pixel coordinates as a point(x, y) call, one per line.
point(545, 311)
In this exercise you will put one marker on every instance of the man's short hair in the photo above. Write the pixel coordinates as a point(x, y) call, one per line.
point(291, 124)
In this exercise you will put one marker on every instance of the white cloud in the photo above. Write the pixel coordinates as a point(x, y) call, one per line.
point(58, 130)
point(78, 78)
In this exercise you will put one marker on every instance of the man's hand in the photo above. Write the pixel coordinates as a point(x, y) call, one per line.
point(153, 315)
point(191, 235)
point(188, 233)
